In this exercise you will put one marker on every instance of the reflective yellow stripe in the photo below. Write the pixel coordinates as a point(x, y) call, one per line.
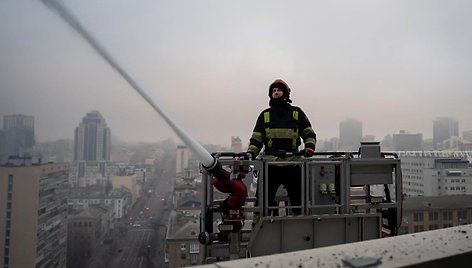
point(266, 117)
point(307, 130)
point(310, 140)
point(279, 158)
point(257, 136)
point(281, 133)
point(253, 149)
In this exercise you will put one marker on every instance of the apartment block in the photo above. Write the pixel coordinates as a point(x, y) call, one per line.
point(33, 214)
point(118, 199)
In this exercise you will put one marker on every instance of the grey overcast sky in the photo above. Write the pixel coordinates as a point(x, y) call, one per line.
point(394, 65)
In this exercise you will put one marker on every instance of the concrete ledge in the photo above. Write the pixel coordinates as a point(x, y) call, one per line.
point(439, 248)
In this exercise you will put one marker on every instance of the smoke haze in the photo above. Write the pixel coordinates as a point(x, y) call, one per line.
point(392, 65)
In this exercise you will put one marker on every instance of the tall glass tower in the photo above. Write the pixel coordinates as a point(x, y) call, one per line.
point(92, 138)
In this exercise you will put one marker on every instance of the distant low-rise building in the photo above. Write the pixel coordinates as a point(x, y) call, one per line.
point(236, 144)
point(436, 173)
point(130, 182)
point(182, 245)
point(404, 141)
point(467, 135)
point(430, 213)
point(119, 199)
point(87, 230)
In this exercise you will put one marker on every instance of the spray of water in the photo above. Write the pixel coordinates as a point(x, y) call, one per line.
point(202, 154)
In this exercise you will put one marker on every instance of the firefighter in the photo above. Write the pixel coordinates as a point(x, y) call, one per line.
point(278, 129)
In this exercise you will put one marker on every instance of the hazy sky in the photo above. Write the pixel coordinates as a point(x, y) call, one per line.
point(394, 65)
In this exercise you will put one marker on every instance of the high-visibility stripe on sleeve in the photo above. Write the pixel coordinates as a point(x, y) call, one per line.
point(295, 115)
point(253, 149)
point(257, 136)
point(310, 141)
point(307, 131)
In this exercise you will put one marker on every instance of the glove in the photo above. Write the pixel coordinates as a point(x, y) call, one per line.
point(252, 155)
point(309, 152)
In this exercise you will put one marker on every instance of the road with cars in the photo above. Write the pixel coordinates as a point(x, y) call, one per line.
point(143, 245)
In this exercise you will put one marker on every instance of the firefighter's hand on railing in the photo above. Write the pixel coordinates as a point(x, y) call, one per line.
point(248, 156)
point(309, 152)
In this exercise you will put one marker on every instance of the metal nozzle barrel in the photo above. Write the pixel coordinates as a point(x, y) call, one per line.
point(217, 170)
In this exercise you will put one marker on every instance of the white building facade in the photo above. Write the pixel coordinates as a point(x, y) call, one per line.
point(436, 173)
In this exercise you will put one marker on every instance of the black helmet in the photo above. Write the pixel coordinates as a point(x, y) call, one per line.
point(279, 83)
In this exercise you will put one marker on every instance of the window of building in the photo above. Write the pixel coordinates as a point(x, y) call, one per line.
point(433, 216)
point(462, 215)
point(418, 228)
point(447, 215)
point(433, 226)
point(183, 247)
point(447, 225)
point(404, 230)
point(194, 248)
point(418, 216)
point(194, 258)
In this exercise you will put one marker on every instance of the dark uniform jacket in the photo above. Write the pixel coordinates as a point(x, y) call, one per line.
point(280, 128)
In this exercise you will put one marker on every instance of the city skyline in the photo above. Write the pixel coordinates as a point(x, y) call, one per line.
point(393, 65)
point(117, 137)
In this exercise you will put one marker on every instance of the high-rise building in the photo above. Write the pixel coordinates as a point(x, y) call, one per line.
point(443, 129)
point(404, 141)
point(182, 157)
point(350, 134)
point(2, 146)
point(92, 138)
point(33, 212)
point(18, 135)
